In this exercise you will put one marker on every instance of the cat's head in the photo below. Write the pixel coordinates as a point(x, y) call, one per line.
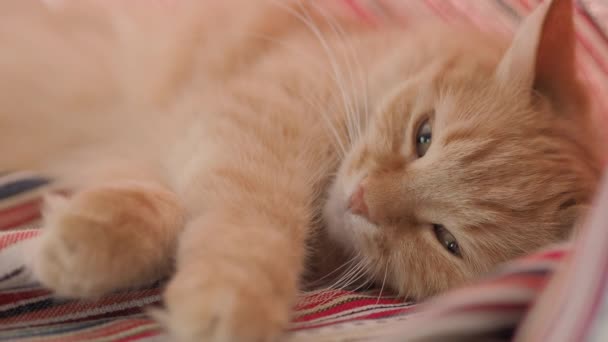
point(470, 163)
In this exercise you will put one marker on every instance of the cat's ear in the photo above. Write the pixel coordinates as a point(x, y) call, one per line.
point(542, 54)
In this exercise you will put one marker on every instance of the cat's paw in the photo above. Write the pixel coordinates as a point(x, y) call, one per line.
point(217, 305)
point(104, 239)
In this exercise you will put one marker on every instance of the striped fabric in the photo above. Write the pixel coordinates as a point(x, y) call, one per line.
point(28, 312)
point(573, 307)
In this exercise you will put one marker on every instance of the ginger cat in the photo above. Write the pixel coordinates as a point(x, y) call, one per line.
point(248, 145)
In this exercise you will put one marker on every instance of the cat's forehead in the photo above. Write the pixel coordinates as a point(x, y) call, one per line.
point(476, 96)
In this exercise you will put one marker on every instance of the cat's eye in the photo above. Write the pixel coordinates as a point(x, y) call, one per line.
point(423, 138)
point(447, 240)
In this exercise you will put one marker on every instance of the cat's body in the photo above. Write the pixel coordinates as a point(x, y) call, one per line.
point(223, 134)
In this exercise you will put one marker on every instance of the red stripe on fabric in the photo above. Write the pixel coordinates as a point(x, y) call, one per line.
point(13, 238)
point(78, 307)
point(107, 330)
point(593, 53)
point(139, 336)
point(589, 20)
point(137, 310)
point(13, 297)
point(22, 214)
point(323, 298)
point(553, 255)
point(312, 301)
point(376, 315)
point(344, 307)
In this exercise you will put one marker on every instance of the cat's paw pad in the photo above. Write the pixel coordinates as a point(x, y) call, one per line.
point(96, 242)
point(222, 309)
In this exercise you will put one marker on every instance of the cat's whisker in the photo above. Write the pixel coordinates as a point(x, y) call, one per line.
point(362, 92)
point(388, 261)
point(365, 283)
point(345, 264)
point(346, 100)
point(360, 274)
point(355, 276)
point(345, 278)
point(352, 112)
point(347, 274)
point(309, 23)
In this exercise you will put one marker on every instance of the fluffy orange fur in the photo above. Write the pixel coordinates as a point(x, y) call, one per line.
point(223, 141)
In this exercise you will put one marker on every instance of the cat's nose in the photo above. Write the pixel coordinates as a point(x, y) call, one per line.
point(356, 203)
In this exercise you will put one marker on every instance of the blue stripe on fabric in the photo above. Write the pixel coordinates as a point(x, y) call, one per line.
point(27, 308)
point(51, 330)
point(19, 186)
point(63, 328)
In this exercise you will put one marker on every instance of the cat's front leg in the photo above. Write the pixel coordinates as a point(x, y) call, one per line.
point(237, 276)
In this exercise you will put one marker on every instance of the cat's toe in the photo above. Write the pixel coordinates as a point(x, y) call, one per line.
point(69, 256)
point(218, 309)
point(60, 265)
